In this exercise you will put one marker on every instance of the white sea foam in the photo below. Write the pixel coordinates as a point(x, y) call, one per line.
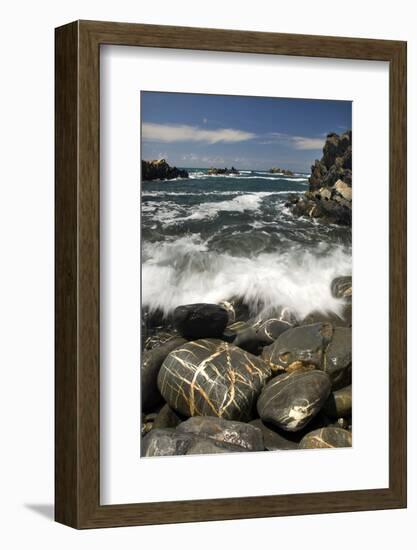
point(184, 271)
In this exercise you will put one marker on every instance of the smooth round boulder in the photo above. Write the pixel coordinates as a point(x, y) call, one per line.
point(337, 361)
point(194, 321)
point(212, 378)
point(339, 403)
point(290, 401)
point(226, 431)
point(325, 438)
point(302, 345)
point(341, 287)
point(151, 363)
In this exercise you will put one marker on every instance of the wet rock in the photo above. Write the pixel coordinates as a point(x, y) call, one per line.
point(160, 170)
point(341, 287)
point(342, 320)
point(225, 431)
point(236, 308)
point(274, 439)
point(164, 443)
point(337, 361)
point(212, 378)
point(172, 443)
point(160, 338)
point(195, 321)
point(250, 341)
point(339, 403)
point(268, 331)
point(148, 422)
point(298, 346)
point(166, 418)
point(231, 331)
point(151, 363)
point(325, 438)
point(202, 446)
point(290, 401)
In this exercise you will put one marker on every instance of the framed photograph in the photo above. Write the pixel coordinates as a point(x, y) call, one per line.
point(230, 274)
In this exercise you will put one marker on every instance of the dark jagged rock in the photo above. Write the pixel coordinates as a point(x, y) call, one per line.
point(222, 171)
point(195, 321)
point(212, 378)
point(325, 438)
point(298, 346)
point(339, 403)
point(151, 363)
point(166, 418)
point(160, 170)
point(274, 439)
point(283, 171)
point(330, 191)
point(230, 432)
point(290, 401)
point(337, 362)
point(341, 287)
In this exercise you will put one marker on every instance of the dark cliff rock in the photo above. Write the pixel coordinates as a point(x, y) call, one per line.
point(160, 170)
point(329, 197)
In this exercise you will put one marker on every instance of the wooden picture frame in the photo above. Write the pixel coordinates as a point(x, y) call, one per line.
point(77, 384)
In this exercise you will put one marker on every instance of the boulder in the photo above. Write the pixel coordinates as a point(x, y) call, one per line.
point(337, 362)
point(171, 443)
point(339, 403)
point(212, 378)
point(195, 321)
point(343, 189)
point(290, 401)
point(274, 439)
point(298, 346)
point(151, 363)
point(166, 418)
point(160, 170)
point(341, 287)
point(225, 431)
point(324, 438)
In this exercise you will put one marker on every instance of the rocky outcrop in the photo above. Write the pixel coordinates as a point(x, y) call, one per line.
point(222, 171)
point(283, 171)
point(161, 170)
point(329, 197)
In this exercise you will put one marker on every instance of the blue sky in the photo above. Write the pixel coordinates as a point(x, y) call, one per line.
point(193, 130)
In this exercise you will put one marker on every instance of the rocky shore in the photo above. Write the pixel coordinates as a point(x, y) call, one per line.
point(216, 380)
point(160, 170)
point(222, 171)
point(329, 197)
point(283, 171)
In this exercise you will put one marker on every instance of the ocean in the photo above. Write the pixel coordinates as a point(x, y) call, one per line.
point(213, 238)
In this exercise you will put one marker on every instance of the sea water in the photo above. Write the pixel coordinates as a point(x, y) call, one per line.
point(212, 238)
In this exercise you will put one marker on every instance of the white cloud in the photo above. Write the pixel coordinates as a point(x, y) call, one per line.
point(167, 133)
point(306, 143)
